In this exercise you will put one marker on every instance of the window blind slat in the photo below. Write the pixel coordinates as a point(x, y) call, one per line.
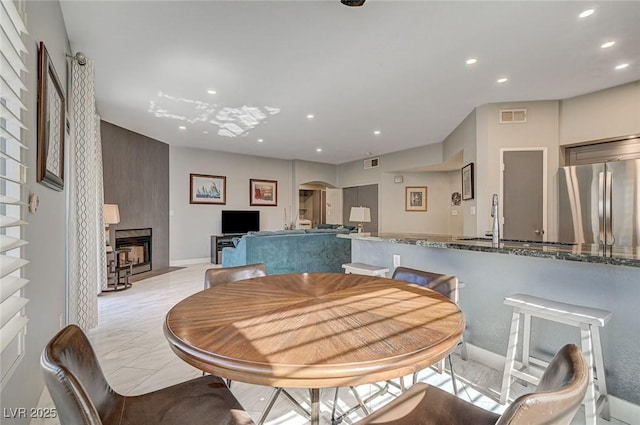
point(10, 116)
point(11, 74)
point(11, 55)
point(12, 33)
point(15, 17)
point(11, 201)
point(9, 265)
point(9, 285)
point(11, 307)
point(6, 221)
point(7, 92)
point(11, 330)
point(11, 137)
point(7, 243)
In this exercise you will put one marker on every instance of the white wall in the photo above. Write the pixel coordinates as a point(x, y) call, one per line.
point(601, 115)
point(191, 225)
point(540, 130)
point(46, 231)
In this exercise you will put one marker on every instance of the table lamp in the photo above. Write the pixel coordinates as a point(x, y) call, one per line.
point(111, 216)
point(361, 215)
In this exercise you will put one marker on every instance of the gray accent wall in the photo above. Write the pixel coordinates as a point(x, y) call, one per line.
point(136, 177)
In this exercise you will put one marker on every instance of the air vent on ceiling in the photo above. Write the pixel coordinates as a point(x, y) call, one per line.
point(371, 163)
point(513, 116)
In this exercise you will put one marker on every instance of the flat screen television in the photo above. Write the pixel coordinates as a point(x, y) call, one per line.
point(236, 222)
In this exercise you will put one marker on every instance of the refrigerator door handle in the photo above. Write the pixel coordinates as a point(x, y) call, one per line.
point(608, 221)
point(601, 218)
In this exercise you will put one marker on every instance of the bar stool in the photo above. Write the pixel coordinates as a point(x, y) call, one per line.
point(588, 319)
point(365, 269)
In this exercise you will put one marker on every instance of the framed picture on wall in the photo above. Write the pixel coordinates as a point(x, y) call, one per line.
point(263, 193)
point(467, 182)
point(415, 198)
point(205, 189)
point(51, 123)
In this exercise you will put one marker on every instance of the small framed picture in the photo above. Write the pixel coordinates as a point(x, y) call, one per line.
point(467, 182)
point(263, 193)
point(205, 189)
point(415, 198)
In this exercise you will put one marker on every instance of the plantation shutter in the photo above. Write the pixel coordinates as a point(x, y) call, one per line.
point(12, 196)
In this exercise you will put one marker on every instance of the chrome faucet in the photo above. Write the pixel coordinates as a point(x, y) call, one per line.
point(495, 230)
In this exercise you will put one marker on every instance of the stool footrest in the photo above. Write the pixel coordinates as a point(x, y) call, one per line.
point(525, 376)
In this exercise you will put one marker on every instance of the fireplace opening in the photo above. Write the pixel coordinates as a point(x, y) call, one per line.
point(139, 242)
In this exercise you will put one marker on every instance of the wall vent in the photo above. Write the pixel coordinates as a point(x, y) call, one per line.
point(513, 116)
point(371, 163)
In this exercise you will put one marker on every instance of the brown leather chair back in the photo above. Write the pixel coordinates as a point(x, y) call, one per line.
point(213, 277)
point(446, 285)
point(558, 395)
point(75, 380)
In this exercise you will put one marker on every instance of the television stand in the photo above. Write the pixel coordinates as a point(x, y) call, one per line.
point(220, 241)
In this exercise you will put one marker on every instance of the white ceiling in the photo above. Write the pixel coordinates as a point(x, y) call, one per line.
point(394, 66)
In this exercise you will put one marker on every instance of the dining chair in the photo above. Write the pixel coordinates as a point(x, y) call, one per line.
point(217, 276)
point(555, 401)
point(446, 285)
point(82, 395)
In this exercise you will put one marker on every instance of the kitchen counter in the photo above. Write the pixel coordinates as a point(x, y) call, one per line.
point(585, 275)
point(620, 256)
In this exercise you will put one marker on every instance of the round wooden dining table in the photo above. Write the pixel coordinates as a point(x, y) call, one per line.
point(314, 330)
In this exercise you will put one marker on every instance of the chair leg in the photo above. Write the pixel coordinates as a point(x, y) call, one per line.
point(453, 376)
point(600, 377)
point(590, 410)
point(463, 349)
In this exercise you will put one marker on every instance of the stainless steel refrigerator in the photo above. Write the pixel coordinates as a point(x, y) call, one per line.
point(600, 203)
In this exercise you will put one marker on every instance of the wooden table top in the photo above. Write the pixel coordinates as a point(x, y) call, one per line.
point(313, 330)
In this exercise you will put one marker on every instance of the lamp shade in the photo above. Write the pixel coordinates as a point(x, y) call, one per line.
point(360, 214)
point(111, 214)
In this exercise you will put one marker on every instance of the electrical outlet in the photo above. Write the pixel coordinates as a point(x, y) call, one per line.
point(396, 260)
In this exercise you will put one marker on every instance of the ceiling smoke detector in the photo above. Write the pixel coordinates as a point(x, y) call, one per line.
point(352, 3)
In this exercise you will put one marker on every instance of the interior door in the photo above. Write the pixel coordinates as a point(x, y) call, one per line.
point(523, 199)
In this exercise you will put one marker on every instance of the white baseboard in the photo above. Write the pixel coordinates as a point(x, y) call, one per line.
point(179, 263)
point(620, 409)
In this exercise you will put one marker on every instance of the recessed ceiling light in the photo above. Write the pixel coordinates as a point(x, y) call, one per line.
point(211, 91)
point(182, 127)
point(622, 66)
point(607, 44)
point(368, 153)
point(471, 61)
point(502, 80)
point(319, 150)
point(260, 140)
point(586, 13)
point(310, 116)
point(205, 132)
point(377, 132)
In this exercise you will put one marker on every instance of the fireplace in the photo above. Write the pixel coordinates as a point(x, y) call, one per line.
point(139, 242)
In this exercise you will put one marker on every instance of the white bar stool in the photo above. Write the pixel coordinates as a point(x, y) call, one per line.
point(365, 269)
point(588, 319)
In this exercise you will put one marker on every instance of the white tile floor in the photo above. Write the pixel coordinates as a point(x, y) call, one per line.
point(136, 357)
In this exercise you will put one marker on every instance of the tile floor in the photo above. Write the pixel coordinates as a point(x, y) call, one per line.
point(137, 359)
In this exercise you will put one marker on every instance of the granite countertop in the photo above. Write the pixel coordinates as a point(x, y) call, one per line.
point(621, 256)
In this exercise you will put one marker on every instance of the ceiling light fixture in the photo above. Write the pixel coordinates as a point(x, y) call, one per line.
point(260, 140)
point(471, 61)
point(377, 132)
point(586, 13)
point(319, 150)
point(622, 66)
point(502, 80)
point(211, 91)
point(310, 116)
point(205, 132)
point(182, 127)
point(607, 44)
